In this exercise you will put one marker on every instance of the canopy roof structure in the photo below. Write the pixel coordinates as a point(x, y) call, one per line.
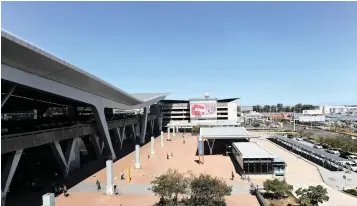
point(225, 133)
point(252, 150)
point(204, 123)
point(19, 54)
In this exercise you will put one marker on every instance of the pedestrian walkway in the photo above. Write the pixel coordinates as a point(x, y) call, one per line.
point(302, 173)
point(144, 189)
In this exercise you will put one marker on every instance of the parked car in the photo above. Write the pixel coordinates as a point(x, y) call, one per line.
point(317, 146)
point(299, 138)
point(290, 136)
point(333, 151)
point(351, 166)
point(306, 127)
point(352, 158)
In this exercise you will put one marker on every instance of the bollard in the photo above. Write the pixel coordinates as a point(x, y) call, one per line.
point(152, 145)
point(162, 138)
point(109, 169)
point(48, 199)
point(137, 156)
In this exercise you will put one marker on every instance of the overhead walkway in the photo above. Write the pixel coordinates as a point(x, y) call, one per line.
point(13, 142)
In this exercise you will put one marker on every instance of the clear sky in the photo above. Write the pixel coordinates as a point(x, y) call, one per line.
point(265, 53)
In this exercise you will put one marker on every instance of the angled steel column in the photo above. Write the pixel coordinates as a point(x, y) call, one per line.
point(7, 96)
point(102, 127)
point(134, 133)
point(152, 126)
point(8, 174)
point(60, 157)
point(143, 122)
point(94, 139)
point(73, 155)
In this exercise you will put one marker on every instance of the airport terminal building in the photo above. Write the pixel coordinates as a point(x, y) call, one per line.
point(200, 110)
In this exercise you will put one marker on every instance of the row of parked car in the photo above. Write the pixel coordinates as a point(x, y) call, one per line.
point(351, 162)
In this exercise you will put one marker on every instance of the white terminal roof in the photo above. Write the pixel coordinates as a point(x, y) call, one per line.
point(252, 150)
point(23, 55)
point(224, 132)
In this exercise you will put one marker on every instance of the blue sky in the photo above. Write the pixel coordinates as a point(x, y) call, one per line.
point(265, 53)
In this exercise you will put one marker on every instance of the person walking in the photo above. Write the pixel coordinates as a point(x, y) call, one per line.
point(148, 155)
point(65, 190)
point(98, 185)
point(167, 156)
point(232, 175)
point(122, 175)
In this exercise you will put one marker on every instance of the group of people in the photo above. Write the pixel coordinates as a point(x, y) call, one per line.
point(57, 189)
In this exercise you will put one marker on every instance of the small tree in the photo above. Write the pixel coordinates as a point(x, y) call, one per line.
point(207, 190)
point(277, 187)
point(312, 195)
point(169, 185)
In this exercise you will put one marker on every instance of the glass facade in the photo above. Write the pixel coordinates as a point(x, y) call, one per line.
point(258, 165)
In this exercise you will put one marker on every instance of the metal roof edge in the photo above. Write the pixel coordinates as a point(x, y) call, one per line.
point(31, 46)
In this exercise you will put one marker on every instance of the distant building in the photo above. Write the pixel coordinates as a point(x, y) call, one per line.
point(336, 109)
point(200, 109)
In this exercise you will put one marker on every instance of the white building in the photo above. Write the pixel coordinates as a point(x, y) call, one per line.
point(336, 109)
point(200, 109)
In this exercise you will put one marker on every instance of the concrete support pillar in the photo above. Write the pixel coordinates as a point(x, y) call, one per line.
point(162, 138)
point(97, 144)
point(8, 173)
point(174, 132)
point(152, 145)
point(110, 185)
point(7, 96)
point(168, 132)
point(144, 120)
point(102, 127)
point(137, 156)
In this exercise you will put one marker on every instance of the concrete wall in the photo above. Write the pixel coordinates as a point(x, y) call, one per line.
point(232, 111)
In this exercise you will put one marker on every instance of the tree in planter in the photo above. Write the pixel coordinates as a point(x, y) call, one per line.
point(169, 185)
point(277, 188)
point(312, 196)
point(207, 190)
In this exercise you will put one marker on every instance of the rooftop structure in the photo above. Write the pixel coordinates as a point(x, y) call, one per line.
point(224, 132)
point(252, 150)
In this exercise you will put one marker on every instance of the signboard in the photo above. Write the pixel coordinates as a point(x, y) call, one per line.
point(203, 109)
point(312, 111)
point(312, 118)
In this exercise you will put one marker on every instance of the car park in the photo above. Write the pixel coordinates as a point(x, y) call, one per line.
point(351, 166)
point(333, 151)
point(317, 146)
point(352, 158)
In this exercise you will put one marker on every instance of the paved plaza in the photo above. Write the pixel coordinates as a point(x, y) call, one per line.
point(137, 191)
